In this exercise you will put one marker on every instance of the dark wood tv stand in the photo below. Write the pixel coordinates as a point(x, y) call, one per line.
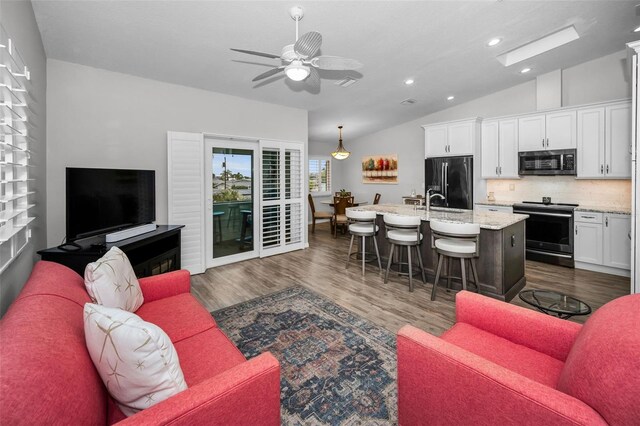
point(151, 253)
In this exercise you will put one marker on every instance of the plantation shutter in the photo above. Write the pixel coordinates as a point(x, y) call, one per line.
point(319, 175)
point(282, 216)
point(186, 198)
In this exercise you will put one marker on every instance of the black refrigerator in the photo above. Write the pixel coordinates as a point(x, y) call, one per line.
point(453, 178)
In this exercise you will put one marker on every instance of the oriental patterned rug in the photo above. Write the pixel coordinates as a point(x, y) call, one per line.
point(336, 367)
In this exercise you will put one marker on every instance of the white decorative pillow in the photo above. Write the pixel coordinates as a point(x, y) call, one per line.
point(135, 359)
point(111, 282)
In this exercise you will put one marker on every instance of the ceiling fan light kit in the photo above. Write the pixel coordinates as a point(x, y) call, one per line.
point(298, 60)
point(340, 153)
point(296, 71)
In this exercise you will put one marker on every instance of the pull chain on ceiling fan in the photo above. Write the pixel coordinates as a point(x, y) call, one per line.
point(298, 61)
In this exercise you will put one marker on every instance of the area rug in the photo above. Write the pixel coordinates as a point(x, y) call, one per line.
point(336, 367)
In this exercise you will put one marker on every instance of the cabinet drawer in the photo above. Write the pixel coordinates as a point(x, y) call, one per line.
point(589, 217)
point(488, 208)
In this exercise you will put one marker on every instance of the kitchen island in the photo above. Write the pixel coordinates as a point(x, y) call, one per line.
point(501, 261)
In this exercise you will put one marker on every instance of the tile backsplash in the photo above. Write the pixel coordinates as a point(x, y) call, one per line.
point(563, 189)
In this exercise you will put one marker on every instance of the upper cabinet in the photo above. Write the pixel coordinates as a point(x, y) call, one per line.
point(500, 149)
point(454, 138)
point(604, 141)
point(543, 132)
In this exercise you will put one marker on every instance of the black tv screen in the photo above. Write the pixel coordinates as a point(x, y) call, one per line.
point(106, 200)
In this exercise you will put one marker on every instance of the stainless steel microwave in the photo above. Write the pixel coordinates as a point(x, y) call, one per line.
point(558, 162)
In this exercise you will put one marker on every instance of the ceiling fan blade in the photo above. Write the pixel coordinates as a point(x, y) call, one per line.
point(335, 63)
point(308, 44)
point(313, 80)
point(272, 71)
point(251, 52)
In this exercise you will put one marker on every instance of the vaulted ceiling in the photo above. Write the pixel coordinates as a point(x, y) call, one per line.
point(439, 44)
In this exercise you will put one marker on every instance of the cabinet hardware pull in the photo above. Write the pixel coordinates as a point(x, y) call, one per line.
point(629, 235)
point(601, 169)
point(500, 170)
point(576, 230)
point(513, 241)
point(496, 169)
point(543, 142)
point(606, 221)
point(547, 142)
point(607, 169)
point(587, 217)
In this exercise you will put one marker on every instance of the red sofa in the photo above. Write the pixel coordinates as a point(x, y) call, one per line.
point(501, 364)
point(47, 376)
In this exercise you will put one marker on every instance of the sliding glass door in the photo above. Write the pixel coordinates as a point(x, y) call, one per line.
point(231, 201)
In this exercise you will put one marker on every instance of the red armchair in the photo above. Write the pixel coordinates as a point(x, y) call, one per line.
point(503, 364)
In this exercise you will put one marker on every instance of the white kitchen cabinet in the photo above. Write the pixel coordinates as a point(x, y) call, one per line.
point(436, 140)
point(556, 130)
point(604, 137)
point(602, 241)
point(588, 242)
point(617, 240)
point(500, 149)
point(449, 139)
point(591, 147)
point(492, 208)
point(618, 140)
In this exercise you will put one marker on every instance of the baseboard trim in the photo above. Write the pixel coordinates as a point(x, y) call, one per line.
point(604, 269)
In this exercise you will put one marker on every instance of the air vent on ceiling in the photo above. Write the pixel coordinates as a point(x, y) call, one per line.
point(346, 82)
point(409, 101)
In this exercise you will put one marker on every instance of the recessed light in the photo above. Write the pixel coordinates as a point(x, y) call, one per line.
point(494, 42)
point(450, 98)
point(637, 29)
point(408, 82)
point(525, 70)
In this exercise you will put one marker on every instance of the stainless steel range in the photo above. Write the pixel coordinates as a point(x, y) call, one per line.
point(549, 231)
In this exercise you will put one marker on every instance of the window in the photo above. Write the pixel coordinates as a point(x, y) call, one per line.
point(319, 175)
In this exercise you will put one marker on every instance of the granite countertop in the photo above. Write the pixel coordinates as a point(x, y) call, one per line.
point(486, 220)
point(600, 209)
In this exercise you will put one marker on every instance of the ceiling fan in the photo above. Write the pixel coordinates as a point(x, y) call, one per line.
point(299, 61)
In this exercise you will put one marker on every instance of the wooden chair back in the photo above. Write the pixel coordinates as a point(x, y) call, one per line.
point(340, 204)
point(313, 207)
point(376, 199)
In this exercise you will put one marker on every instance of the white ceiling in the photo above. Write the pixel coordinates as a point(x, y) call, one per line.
point(441, 44)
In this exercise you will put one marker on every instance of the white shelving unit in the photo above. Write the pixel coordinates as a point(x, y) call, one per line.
point(16, 147)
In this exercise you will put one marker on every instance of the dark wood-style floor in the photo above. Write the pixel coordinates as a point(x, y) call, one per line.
point(321, 268)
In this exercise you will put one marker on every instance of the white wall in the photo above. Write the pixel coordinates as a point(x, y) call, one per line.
point(18, 20)
point(598, 80)
point(100, 118)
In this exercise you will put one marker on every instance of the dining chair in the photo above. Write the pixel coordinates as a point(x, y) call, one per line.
point(318, 215)
point(376, 199)
point(340, 205)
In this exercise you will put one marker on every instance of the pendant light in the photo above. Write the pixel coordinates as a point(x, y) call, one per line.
point(340, 153)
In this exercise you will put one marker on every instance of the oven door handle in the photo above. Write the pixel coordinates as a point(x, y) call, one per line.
point(543, 213)
point(566, 256)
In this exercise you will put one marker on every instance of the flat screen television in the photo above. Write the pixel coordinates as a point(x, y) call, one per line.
point(100, 201)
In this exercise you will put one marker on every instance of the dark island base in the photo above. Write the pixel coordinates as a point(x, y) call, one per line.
point(501, 265)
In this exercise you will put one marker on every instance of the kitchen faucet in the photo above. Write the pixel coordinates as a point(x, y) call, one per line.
point(430, 196)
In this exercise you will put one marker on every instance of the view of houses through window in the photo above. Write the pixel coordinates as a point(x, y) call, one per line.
point(319, 175)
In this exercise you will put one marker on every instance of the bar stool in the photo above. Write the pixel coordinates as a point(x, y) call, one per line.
point(455, 240)
point(363, 224)
point(216, 217)
point(404, 231)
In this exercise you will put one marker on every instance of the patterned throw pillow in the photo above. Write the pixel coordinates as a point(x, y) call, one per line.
point(111, 282)
point(135, 359)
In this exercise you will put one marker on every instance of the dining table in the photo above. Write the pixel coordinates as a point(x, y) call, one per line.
point(354, 204)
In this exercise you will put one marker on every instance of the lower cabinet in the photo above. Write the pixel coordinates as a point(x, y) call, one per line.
point(602, 239)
